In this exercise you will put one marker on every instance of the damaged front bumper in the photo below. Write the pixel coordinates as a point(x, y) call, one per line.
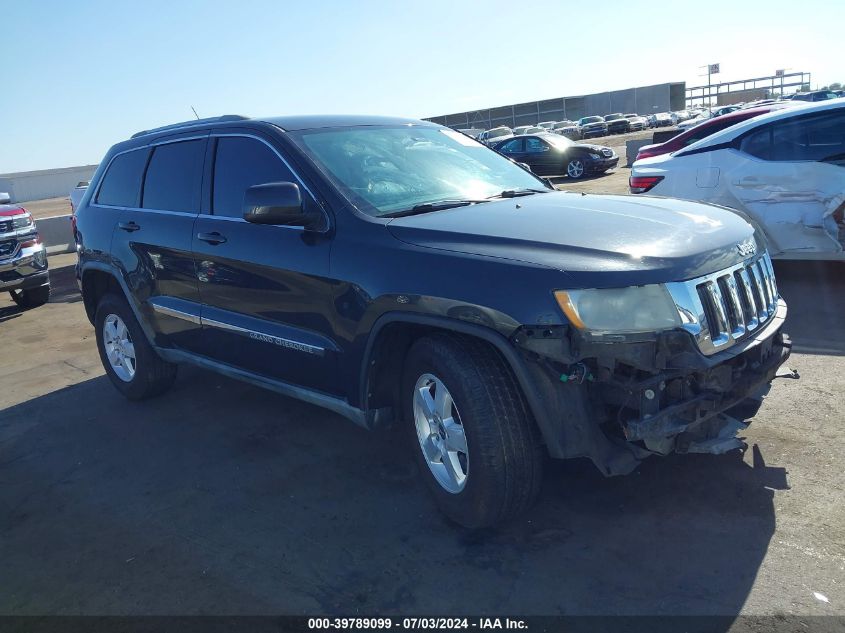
point(618, 402)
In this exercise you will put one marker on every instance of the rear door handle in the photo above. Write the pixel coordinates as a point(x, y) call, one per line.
point(212, 238)
point(129, 227)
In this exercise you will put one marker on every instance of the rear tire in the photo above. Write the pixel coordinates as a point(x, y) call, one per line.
point(31, 297)
point(131, 363)
point(502, 462)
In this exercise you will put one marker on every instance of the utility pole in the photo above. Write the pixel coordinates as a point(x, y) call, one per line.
point(712, 69)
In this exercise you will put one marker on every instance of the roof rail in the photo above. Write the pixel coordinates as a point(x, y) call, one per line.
point(176, 126)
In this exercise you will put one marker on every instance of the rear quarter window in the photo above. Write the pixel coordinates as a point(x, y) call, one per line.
point(121, 186)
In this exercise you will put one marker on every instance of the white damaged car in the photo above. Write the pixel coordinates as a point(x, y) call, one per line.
point(785, 170)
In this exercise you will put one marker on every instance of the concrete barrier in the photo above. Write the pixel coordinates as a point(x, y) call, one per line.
point(661, 136)
point(632, 147)
point(57, 234)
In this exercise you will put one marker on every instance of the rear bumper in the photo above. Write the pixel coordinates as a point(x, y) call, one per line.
point(24, 270)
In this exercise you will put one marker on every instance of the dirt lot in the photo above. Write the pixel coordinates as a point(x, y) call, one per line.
point(222, 498)
point(47, 208)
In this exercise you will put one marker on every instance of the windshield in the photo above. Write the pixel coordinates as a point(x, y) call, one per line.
point(557, 140)
point(387, 169)
point(612, 117)
point(591, 119)
point(502, 131)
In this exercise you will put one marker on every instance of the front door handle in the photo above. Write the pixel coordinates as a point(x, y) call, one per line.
point(129, 227)
point(212, 238)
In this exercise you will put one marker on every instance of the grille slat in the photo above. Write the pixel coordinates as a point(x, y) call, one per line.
point(736, 315)
point(759, 294)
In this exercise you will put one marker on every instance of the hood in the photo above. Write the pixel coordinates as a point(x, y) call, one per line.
point(597, 240)
point(7, 210)
point(592, 148)
point(595, 124)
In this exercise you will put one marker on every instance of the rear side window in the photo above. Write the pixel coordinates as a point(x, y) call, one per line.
point(241, 163)
point(815, 138)
point(535, 146)
point(174, 177)
point(122, 183)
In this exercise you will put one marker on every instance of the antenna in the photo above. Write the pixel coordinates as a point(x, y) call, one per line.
point(195, 113)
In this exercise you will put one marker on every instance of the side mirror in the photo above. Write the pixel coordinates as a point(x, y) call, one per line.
point(5, 198)
point(277, 203)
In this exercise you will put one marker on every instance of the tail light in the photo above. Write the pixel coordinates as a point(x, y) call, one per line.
point(641, 184)
point(648, 153)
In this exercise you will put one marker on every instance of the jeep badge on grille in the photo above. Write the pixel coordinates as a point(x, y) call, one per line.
point(747, 248)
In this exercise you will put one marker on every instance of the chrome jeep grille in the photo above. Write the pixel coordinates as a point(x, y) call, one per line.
point(724, 307)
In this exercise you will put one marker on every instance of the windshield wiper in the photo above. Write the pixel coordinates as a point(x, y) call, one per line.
point(430, 206)
point(516, 193)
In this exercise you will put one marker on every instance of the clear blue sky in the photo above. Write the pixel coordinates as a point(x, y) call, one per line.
point(78, 76)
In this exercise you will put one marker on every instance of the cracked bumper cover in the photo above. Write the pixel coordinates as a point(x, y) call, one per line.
point(764, 355)
point(690, 392)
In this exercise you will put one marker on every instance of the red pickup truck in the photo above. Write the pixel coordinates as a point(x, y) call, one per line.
point(23, 257)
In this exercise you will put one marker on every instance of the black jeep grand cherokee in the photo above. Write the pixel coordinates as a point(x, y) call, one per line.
point(397, 271)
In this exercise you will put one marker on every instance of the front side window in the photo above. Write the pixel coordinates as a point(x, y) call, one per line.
point(393, 168)
point(240, 163)
point(817, 138)
point(122, 183)
point(174, 177)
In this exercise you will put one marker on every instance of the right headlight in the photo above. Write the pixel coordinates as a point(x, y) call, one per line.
point(620, 310)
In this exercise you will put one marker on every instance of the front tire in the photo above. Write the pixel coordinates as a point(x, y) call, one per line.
point(131, 363)
point(575, 168)
point(472, 435)
point(31, 297)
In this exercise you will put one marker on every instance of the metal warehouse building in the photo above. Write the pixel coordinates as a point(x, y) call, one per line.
point(46, 183)
point(643, 100)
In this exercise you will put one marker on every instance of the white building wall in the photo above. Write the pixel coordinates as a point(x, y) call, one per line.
point(47, 183)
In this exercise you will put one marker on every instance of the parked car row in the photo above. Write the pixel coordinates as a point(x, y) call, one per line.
point(585, 127)
point(782, 168)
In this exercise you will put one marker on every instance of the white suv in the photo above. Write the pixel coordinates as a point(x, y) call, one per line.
point(785, 169)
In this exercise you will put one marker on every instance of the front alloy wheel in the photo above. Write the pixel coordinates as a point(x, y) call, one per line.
point(441, 433)
point(482, 412)
point(575, 168)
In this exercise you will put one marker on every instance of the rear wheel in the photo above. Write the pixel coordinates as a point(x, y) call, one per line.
point(473, 438)
point(131, 363)
point(31, 297)
point(575, 168)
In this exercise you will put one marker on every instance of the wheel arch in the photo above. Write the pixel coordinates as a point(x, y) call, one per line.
point(391, 337)
point(98, 279)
